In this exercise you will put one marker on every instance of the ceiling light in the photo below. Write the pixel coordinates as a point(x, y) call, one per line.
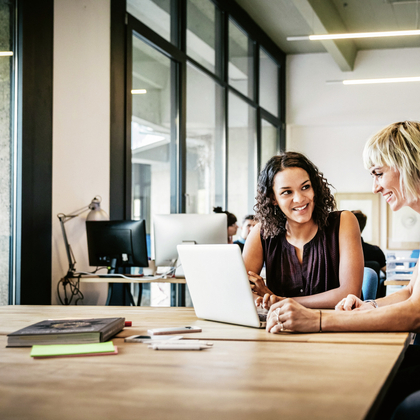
point(6, 53)
point(354, 35)
point(138, 91)
point(376, 81)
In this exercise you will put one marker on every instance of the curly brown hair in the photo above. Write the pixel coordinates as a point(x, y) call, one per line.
point(274, 223)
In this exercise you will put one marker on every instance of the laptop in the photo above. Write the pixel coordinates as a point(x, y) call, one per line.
point(219, 285)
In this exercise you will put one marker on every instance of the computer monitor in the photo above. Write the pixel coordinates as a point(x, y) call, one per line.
point(171, 230)
point(117, 243)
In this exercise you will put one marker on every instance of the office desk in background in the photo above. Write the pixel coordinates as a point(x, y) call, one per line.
point(124, 296)
point(248, 374)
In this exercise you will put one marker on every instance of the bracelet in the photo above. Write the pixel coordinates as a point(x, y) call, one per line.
point(320, 321)
point(372, 302)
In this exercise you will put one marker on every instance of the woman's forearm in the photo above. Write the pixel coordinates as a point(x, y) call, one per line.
point(324, 300)
point(395, 297)
point(402, 316)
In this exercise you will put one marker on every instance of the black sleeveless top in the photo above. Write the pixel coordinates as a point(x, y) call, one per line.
point(318, 272)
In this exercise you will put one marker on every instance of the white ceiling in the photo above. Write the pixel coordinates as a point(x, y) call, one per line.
point(283, 18)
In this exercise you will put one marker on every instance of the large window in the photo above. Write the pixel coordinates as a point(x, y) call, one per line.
point(269, 83)
point(156, 14)
point(205, 143)
point(150, 132)
point(241, 60)
point(269, 143)
point(201, 33)
point(204, 107)
point(242, 157)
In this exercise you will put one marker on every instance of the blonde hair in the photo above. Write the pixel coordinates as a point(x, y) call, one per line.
point(398, 147)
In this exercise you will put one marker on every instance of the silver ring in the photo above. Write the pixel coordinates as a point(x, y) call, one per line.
point(281, 326)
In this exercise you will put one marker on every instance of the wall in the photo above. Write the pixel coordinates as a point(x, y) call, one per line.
point(330, 123)
point(5, 153)
point(80, 128)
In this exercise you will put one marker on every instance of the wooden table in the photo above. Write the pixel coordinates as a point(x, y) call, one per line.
point(144, 318)
point(396, 282)
point(264, 376)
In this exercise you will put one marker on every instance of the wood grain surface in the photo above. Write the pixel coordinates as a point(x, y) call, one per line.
point(247, 377)
point(144, 318)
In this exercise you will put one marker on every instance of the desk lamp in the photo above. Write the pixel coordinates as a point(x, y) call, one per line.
point(95, 213)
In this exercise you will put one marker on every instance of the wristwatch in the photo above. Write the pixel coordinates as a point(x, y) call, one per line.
point(372, 302)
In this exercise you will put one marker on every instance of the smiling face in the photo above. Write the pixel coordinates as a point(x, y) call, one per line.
point(294, 194)
point(386, 181)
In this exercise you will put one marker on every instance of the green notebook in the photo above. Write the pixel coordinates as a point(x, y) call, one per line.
point(73, 349)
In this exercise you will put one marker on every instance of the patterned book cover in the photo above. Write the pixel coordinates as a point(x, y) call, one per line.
point(66, 331)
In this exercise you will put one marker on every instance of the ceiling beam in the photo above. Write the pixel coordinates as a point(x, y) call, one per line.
point(323, 18)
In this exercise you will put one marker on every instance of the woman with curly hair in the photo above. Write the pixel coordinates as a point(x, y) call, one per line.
point(311, 252)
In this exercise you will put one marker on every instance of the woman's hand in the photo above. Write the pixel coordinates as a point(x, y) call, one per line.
point(267, 301)
point(292, 316)
point(350, 303)
point(258, 285)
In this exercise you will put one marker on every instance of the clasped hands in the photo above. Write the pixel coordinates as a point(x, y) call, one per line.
point(352, 303)
point(284, 313)
point(287, 314)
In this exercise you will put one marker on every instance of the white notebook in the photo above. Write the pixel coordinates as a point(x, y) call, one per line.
point(219, 285)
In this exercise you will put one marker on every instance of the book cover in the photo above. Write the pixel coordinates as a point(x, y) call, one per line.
point(66, 331)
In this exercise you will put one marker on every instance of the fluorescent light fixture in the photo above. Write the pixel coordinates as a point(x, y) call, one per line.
point(376, 81)
point(385, 80)
point(354, 35)
point(6, 53)
point(138, 91)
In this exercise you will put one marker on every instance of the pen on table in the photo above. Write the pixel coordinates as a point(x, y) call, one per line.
point(180, 343)
point(183, 342)
point(173, 346)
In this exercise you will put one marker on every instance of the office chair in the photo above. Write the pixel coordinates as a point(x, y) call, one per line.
point(370, 284)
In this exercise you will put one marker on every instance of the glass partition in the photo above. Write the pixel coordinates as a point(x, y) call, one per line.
point(150, 131)
point(201, 32)
point(195, 142)
point(151, 144)
point(156, 14)
point(205, 143)
point(268, 141)
point(269, 84)
point(241, 62)
point(242, 157)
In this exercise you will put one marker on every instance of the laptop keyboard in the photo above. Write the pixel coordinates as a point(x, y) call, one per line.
point(262, 314)
point(263, 317)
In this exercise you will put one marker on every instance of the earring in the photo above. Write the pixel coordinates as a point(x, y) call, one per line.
point(275, 210)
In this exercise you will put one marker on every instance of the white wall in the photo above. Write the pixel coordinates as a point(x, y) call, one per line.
point(81, 119)
point(330, 123)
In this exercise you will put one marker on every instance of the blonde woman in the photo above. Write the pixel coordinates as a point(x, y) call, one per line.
point(392, 156)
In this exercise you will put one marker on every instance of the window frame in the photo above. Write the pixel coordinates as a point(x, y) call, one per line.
point(122, 25)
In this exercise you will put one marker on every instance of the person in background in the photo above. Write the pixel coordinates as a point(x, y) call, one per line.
point(231, 221)
point(247, 224)
point(392, 156)
point(310, 252)
point(372, 254)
